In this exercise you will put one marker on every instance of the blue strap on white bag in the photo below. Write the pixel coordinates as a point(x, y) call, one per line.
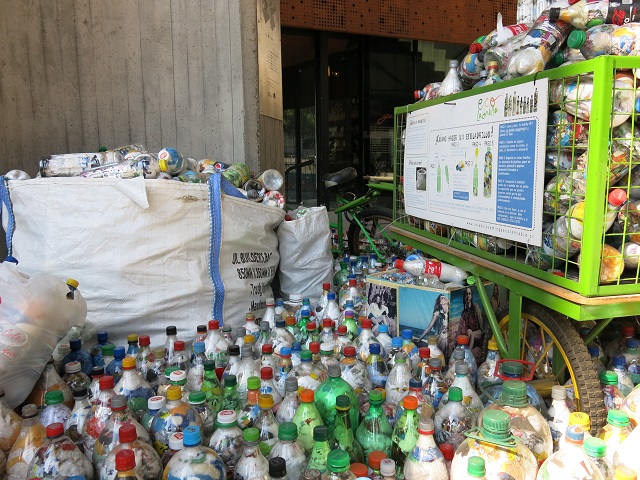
point(6, 201)
point(217, 186)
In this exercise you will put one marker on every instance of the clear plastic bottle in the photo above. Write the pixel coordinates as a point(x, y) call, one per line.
point(290, 450)
point(176, 416)
point(269, 314)
point(326, 334)
point(434, 349)
point(494, 442)
point(107, 354)
point(100, 413)
point(250, 410)
point(321, 305)
point(632, 356)
point(376, 367)
point(154, 405)
point(280, 337)
point(263, 337)
point(216, 346)
point(618, 365)
point(132, 345)
point(211, 387)
point(307, 374)
point(470, 398)
point(32, 435)
point(383, 338)
point(290, 403)
point(453, 419)
point(571, 461)
point(338, 466)
point(148, 462)
point(332, 309)
point(501, 54)
point(581, 420)
point(614, 432)
point(327, 356)
point(180, 356)
point(405, 432)
point(451, 83)
point(74, 377)
point(398, 381)
point(81, 409)
point(325, 399)
point(409, 348)
point(125, 464)
point(78, 354)
point(446, 273)
point(252, 464)
point(49, 380)
point(267, 387)
point(172, 336)
point(388, 469)
point(456, 356)
point(343, 431)
point(110, 434)
point(284, 368)
point(423, 370)
point(198, 400)
point(58, 457)
point(596, 450)
point(266, 424)
point(396, 346)
point(435, 386)
point(195, 460)
point(155, 373)
point(195, 375)
point(10, 423)
point(114, 368)
point(353, 293)
point(558, 413)
point(175, 445)
point(341, 342)
point(227, 440)
point(96, 350)
point(487, 371)
point(247, 368)
point(240, 333)
point(320, 449)
point(278, 469)
point(602, 40)
point(179, 378)
point(469, 358)
point(292, 327)
point(594, 352)
point(627, 453)
point(613, 398)
point(134, 387)
point(425, 461)
point(364, 340)
point(374, 432)
point(144, 358)
point(233, 364)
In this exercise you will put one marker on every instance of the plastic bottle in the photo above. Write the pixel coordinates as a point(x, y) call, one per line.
point(492, 77)
point(172, 333)
point(74, 377)
point(571, 461)
point(527, 423)
point(327, 356)
point(195, 375)
point(320, 450)
point(227, 441)
point(470, 398)
point(306, 418)
point(558, 413)
point(211, 387)
point(195, 460)
point(613, 399)
point(96, 350)
point(290, 450)
point(332, 309)
point(124, 466)
point(284, 368)
point(247, 368)
point(321, 305)
point(79, 414)
point(110, 434)
point(180, 356)
point(434, 350)
point(250, 410)
point(374, 459)
point(290, 403)
point(425, 409)
point(234, 361)
point(453, 419)
point(344, 432)
point(632, 357)
point(107, 354)
point(495, 442)
point(252, 464)
point(55, 410)
point(446, 273)
point(49, 380)
point(78, 354)
point(451, 83)
point(114, 368)
point(457, 356)
point(614, 432)
point(338, 466)
point(308, 376)
point(175, 445)
point(148, 463)
point(280, 337)
point(99, 414)
point(618, 365)
point(198, 401)
point(388, 469)
point(174, 417)
point(154, 405)
point(481, 80)
point(596, 450)
point(425, 461)
point(501, 54)
point(487, 371)
point(231, 398)
point(179, 378)
point(398, 381)
point(341, 342)
point(58, 457)
point(405, 432)
point(383, 338)
point(513, 371)
point(155, 373)
point(267, 386)
point(134, 387)
point(144, 358)
point(469, 358)
point(325, 399)
point(341, 276)
point(581, 420)
point(351, 292)
point(31, 437)
point(376, 367)
point(132, 345)
point(374, 432)
point(435, 386)
point(216, 345)
point(617, 344)
point(266, 424)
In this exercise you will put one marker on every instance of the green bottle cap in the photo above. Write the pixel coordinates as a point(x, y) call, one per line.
point(455, 394)
point(209, 365)
point(512, 368)
point(577, 39)
point(251, 435)
point(607, 377)
point(594, 22)
point(343, 402)
point(475, 467)
point(401, 357)
point(287, 431)
point(54, 397)
point(338, 461)
point(230, 381)
point(514, 393)
point(320, 433)
point(107, 350)
point(375, 397)
point(595, 447)
point(617, 418)
point(253, 383)
point(169, 370)
point(496, 425)
point(306, 355)
point(471, 280)
point(197, 397)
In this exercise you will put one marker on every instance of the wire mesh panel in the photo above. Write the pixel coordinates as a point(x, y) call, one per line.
point(591, 199)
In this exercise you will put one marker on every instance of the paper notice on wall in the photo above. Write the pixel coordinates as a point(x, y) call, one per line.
point(477, 163)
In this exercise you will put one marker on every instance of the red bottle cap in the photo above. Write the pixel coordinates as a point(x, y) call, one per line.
point(475, 48)
point(55, 430)
point(359, 469)
point(463, 339)
point(267, 348)
point(628, 330)
point(311, 326)
point(352, 282)
point(410, 402)
point(178, 346)
point(342, 329)
point(349, 351)
point(398, 264)
point(214, 324)
point(306, 395)
point(326, 286)
point(447, 451)
point(327, 323)
point(144, 340)
point(128, 433)
point(125, 460)
point(375, 458)
point(366, 323)
point(266, 373)
point(314, 347)
point(424, 352)
point(106, 382)
point(617, 197)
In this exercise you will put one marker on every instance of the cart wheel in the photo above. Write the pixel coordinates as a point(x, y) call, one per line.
point(551, 342)
point(375, 220)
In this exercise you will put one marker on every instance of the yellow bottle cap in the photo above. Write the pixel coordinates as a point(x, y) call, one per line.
point(249, 338)
point(265, 401)
point(128, 363)
point(625, 473)
point(73, 283)
point(492, 345)
point(174, 392)
point(132, 337)
point(581, 419)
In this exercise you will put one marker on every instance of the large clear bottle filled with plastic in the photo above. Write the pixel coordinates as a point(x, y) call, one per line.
point(571, 462)
point(195, 460)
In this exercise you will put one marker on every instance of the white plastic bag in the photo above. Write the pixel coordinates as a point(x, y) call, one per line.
point(35, 314)
point(305, 254)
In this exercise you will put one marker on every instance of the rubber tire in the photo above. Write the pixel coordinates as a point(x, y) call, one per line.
point(585, 375)
point(371, 213)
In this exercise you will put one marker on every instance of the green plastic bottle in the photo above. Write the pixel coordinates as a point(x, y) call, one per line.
point(341, 277)
point(405, 432)
point(231, 397)
point(211, 387)
point(325, 399)
point(338, 466)
point(321, 449)
point(306, 419)
point(344, 438)
point(374, 432)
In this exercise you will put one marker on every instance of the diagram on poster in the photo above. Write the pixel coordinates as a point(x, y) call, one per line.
point(477, 163)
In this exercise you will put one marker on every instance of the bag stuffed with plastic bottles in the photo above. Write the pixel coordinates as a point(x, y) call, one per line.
point(35, 313)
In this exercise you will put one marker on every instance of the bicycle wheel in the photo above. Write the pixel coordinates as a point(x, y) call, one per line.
point(551, 342)
point(375, 221)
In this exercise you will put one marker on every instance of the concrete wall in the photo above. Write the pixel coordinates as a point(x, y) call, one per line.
point(78, 74)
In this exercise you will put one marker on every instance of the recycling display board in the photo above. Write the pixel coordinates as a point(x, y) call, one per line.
point(477, 163)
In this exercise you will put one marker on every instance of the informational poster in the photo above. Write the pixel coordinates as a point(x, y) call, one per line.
point(269, 59)
point(477, 163)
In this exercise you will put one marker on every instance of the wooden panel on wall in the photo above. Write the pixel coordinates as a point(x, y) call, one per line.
point(454, 21)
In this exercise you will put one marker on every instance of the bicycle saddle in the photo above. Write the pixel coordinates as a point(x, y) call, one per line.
point(337, 179)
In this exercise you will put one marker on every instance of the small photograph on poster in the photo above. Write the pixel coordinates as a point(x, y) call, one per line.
point(382, 307)
point(421, 179)
point(426, 312)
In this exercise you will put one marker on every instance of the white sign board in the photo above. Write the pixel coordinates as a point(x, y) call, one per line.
point(477, 163)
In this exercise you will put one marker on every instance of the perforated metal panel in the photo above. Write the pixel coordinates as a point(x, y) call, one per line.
point(455, 21)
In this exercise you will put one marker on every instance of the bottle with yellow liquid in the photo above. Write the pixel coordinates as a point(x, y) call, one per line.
point(475, 175)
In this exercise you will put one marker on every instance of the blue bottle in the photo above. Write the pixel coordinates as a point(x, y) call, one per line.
point(133, 349)
point(115, 367)
point(77, 354)
point(96, 350)
point(296, 349)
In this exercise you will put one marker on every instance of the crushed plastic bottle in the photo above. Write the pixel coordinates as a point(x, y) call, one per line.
point(445, 272)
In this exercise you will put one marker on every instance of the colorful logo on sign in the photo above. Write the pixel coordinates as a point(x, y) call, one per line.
point(487, 107)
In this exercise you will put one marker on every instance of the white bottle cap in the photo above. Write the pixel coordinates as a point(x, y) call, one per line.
point(156, 403)
point(175, 441)
point(387, 467)
point(295, 297)
point(227, 417)
point(178, 375)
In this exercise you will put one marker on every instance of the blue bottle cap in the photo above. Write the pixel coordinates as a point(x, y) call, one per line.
point(349, 304)
point(630, 343)
point(331, 296)
point(76, 344)
point(618, 361)
point(279, 302)
point(295, 347)
point(415, 383)
point(306, 301)
point(198, 347)
point(593, 349)
point(191, 436)
point(396, 342)
point(280, 324)
point(374, 348)
point(305, 311)
point(118, 352)
point(383, 328)
point(352, 276)
point(575, 433)
point(406, 333)
point(285, 351)
point(102, 336)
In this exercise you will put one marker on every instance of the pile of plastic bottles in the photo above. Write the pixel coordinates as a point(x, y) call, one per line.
point(131, 161)
point(312, 391)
